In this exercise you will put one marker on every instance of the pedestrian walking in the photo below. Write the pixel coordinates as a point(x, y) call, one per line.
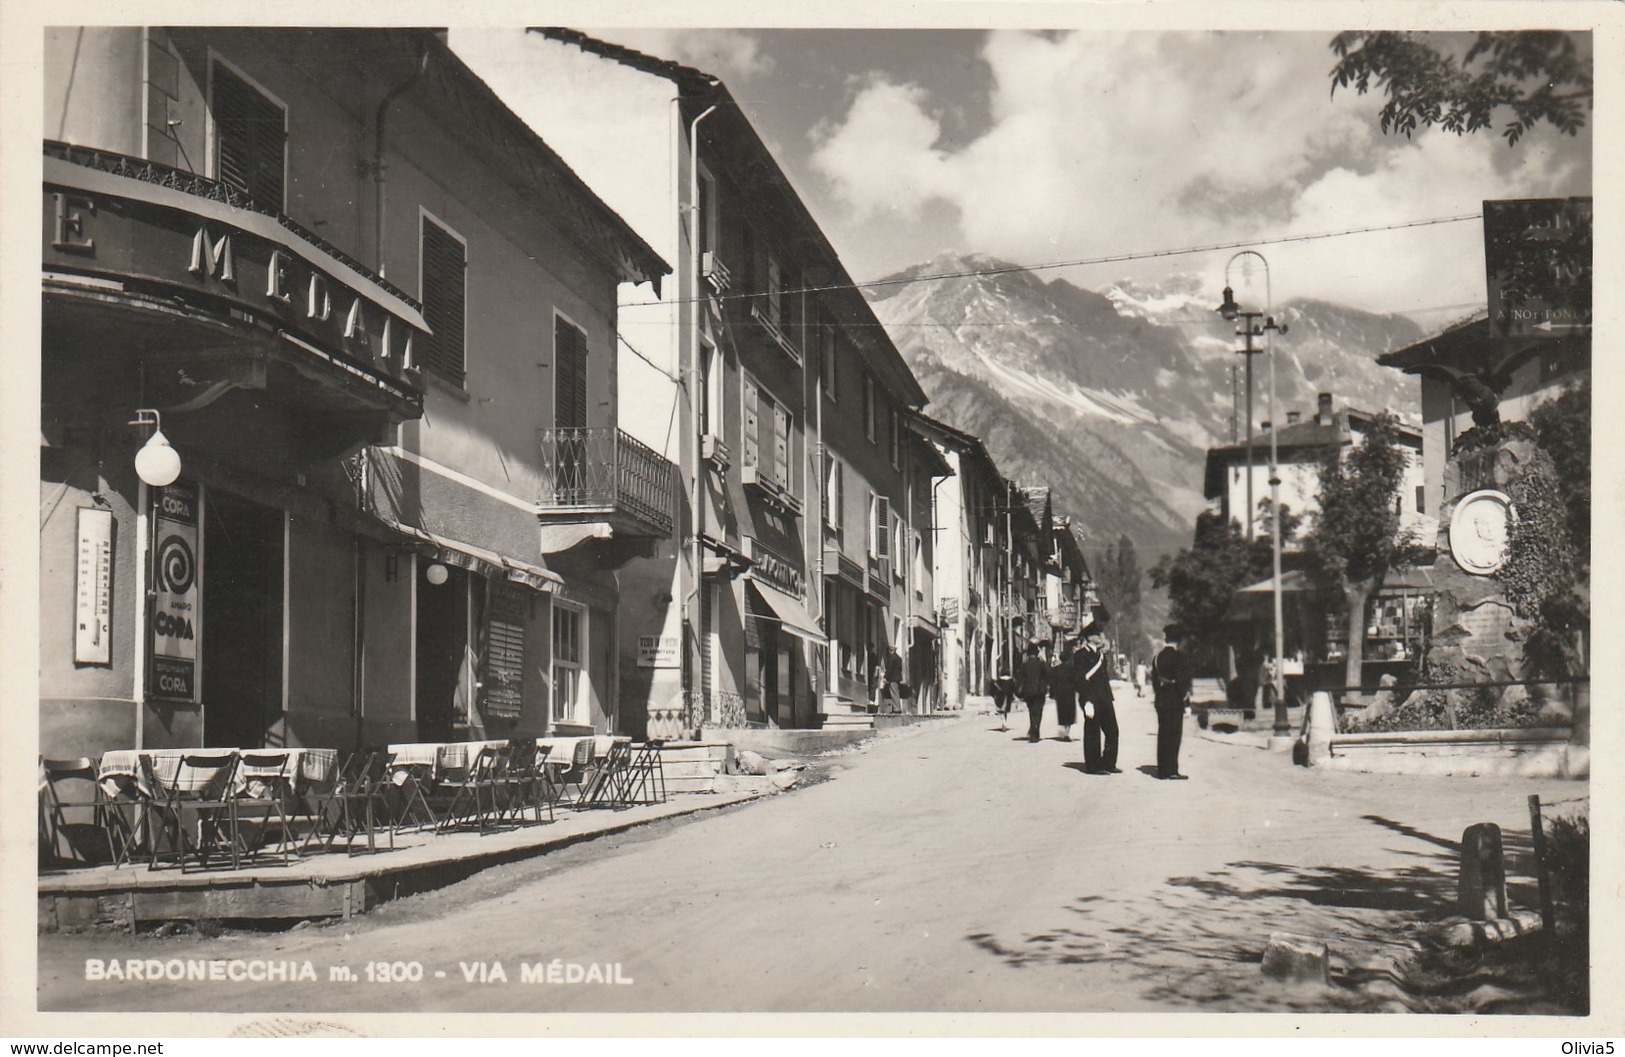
point(1032, 681)
point(1004, 692)
point(892, 681)
point(1099, 711)
point(1063, 687)
point(1171, 691)
point(1140, 676)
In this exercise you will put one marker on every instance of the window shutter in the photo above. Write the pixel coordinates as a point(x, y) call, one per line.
point(749, 449)
point(503, 682)
point(879, 527)
point(569, 375)
point(781, 446)
point(250, 139)
point(775, 287)
point(445, 266)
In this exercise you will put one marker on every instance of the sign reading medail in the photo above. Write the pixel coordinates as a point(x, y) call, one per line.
point(176, 591)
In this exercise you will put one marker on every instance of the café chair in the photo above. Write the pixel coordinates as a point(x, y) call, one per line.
point(645, 781)
point(354, 805)
point(475, 792)
point(188, 811)
point(77, 821)
point(267, 789)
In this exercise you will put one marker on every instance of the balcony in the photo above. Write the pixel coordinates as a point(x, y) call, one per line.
point(599, 473)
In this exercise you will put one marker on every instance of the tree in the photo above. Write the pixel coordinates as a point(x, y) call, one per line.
point(1117, 579)
point(1202, 579)
point(1356, 539)
point(1529, 76)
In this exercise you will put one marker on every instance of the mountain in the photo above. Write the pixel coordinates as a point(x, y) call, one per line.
point(1112, 398)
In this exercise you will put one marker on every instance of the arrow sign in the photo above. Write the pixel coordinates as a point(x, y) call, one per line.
point(1549, 325)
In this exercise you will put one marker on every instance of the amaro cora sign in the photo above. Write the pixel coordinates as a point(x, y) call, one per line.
point(176, 625)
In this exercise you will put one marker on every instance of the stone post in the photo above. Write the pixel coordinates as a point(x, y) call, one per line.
point(1322, 725)
point(1481, 888)
point(1296, 959)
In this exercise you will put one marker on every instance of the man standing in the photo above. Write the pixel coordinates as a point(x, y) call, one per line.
point(1031, 683)
point(1170, 689)
point(1099, 712)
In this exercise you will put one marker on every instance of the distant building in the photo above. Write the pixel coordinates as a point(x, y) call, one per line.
point(1302, 445)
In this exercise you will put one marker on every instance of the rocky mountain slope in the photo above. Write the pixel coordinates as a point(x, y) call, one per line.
point(1112, 398)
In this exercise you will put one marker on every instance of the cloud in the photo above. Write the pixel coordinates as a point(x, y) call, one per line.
point(732, 54)
point(1115, 143)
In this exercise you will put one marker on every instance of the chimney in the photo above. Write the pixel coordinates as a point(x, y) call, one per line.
point(1323, 414)
point(1292, 418)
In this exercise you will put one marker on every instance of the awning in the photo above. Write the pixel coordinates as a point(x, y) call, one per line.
point(925, 624)
point(486, 563)
point(791, 615)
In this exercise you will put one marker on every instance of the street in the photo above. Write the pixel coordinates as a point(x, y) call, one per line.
point(946, 867)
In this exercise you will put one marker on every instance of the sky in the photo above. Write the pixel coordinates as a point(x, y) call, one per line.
point(1038, 147)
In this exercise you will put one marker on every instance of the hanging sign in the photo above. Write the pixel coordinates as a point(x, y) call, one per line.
point(93, 588)
point(176, 593)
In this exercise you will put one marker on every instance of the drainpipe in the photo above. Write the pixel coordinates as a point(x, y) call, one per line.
point(697, 482)
point(378, 151)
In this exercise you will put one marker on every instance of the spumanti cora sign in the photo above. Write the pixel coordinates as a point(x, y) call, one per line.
point(176, 628)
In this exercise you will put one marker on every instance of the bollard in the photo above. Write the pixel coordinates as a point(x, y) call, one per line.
point(1322, 725)
point(1481, 889)
point(1297, 959)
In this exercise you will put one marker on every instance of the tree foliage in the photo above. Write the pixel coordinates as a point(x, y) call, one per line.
point(1202, 578)
point(1563, 429)
point(1118, 580)
point(1523, 78)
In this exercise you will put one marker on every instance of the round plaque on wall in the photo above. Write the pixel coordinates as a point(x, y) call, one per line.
point(1479, 530)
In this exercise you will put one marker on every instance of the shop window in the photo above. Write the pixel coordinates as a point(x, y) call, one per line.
point(250, 138)
point(444, 282)
point(569, 649)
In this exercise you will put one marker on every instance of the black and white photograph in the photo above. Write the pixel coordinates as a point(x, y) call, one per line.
point(1055, 510)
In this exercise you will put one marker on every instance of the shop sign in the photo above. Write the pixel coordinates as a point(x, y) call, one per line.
point(659, 651)
point(177, 589)
point(775, 569)
point(271, 277)
point(93, 588)
point(1537, 258)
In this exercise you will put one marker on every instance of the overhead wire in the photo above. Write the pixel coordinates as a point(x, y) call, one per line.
point(1118, 258)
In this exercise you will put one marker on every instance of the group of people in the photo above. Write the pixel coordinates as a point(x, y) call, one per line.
point(1081, 674)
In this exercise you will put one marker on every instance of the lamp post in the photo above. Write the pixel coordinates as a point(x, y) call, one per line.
point(1249, 330)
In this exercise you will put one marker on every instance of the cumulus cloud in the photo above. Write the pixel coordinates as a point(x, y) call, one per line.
point(1114, 143)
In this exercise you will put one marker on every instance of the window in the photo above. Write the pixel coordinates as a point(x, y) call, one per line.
point(826, 353)
point(834, 492)
point(569, 631)
point(761, 413)
point(879, 526)
point(708, 211)
point(444, 260)
point(1421, 499)
point(896, 438)
point(250, 138)
point(711, 390)
point(869, 421)
point(569, 374)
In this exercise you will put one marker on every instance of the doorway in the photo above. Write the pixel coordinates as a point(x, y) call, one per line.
point(442, 645)
point(242, 621)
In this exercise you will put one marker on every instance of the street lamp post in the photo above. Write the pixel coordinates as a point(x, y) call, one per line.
point(1249, 330)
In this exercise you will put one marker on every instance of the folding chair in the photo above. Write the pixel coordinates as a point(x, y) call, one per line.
point(351, 807)
point(645, 781)
point(575, 772)
point(76, 820)
point(197, 794)
point(522, 785)
point(605, 787)
point(476, 791)
point(268, 790)
point(407, 787)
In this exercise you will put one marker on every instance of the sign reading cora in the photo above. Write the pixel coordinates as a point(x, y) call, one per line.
point(175, 628)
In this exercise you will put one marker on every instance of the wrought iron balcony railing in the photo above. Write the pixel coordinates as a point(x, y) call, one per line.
point(600, 471)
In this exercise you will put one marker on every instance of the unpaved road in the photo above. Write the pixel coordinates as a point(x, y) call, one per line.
point(949, 868)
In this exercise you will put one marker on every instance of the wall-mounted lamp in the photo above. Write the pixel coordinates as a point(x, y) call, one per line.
point(436, 574)
point(157, 464)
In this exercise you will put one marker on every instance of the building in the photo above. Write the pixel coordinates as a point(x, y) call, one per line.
point(1460, 362)
point(803, 488)
point(376, 316)
point(1302, 446)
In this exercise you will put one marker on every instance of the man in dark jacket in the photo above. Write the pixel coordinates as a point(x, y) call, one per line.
point(1031, 683)
point(1171, 689)
point(1063, 686)
point(1099, 713)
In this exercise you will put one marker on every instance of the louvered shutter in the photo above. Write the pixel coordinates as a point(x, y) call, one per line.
point(504, 677)
point(445, 295)
point(749, 455)
point(250, 133)
point(781, 446)
point(570, 375)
